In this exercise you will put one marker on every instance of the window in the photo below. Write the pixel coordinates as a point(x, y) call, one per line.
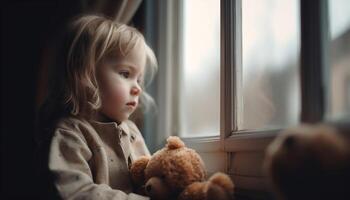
point(272, 59)
point(270, 90)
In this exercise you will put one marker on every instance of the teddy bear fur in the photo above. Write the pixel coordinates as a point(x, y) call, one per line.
point(178, 172)
point(309, 162)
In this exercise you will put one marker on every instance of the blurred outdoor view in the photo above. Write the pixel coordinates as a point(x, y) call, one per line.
point(200, 84)
point(271, 47)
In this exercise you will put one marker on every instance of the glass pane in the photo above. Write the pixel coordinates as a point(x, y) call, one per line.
point(339, 12)
point(200, 85)
point(271, 47)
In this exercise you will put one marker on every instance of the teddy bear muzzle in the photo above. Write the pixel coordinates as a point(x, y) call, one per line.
point(156, 188)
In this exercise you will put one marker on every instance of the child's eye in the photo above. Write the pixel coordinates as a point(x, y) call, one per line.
point(125, 74)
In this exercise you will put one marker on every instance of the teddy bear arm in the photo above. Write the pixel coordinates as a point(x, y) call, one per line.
point(194, 191)
point(220, 187)
point(206, 190)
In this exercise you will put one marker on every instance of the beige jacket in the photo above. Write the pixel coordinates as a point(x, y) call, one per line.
point(90, 159)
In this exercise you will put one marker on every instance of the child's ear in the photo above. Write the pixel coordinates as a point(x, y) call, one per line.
point(137, 170)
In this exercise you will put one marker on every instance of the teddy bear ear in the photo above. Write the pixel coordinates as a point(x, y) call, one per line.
point(174, 142)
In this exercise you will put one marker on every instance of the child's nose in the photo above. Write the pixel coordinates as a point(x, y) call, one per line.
point(135, 91)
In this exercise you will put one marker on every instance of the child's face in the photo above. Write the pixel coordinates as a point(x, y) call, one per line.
point(120, 79)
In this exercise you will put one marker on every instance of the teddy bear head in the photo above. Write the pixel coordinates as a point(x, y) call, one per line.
point(169, 171)
point(173, 168)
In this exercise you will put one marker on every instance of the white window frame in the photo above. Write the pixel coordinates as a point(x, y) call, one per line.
point(313, 103)
point(231, 102)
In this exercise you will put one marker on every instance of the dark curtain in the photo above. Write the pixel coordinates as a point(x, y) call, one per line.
point(30, 31)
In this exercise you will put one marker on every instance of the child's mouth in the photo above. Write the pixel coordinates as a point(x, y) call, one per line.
point(132, 103)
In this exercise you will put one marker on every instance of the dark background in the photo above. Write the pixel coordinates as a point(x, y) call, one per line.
point(29, 30)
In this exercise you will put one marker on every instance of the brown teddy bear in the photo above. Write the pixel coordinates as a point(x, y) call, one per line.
point(178, 172)
point(309, 162)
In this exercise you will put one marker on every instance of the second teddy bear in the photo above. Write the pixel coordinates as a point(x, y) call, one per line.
point(309, 162)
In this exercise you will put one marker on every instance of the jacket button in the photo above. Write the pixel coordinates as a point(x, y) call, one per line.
point(132, 138)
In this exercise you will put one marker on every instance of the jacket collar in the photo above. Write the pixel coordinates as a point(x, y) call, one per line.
point(101, 124)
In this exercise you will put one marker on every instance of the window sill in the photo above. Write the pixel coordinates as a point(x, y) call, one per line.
point(237, 142)
point(249, 140)
point(204, 144)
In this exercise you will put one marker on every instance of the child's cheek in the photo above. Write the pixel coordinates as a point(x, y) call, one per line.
point(119, 93)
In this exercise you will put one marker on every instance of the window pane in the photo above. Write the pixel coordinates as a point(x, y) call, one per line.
point(271, 47)
point(339, 11)
point(200, 85)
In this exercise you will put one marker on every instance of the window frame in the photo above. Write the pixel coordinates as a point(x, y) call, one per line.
point(230, 138)
point(313, 63)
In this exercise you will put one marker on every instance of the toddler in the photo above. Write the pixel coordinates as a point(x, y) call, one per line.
point(97, 87)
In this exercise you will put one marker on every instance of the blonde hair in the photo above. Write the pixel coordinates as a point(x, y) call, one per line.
point(93, 38)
